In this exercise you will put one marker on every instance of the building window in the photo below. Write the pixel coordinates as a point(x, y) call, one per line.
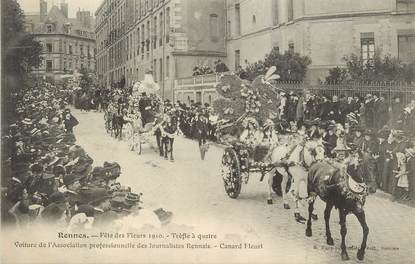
point(405, 5)
point(229, 29)
point(70, 49)
point(238, 19)
point(81, 50)
point(167, 66)
point(49, 47)
point(406, 48)
point(254, 19)
point(49, 28)
point(290, 10)
point(167, 25)
point(275, 12)
point(214, 27)
point(155, 69)
point(60, 45)
point(291, 47)
point(154, 37)
point(161, 69)
point(237, 59)
point(161, 25)
point(367, 47)
point(49, 66)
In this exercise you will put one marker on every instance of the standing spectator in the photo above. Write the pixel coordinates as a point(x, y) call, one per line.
point(382, 157)
point(362, 114)
point(395, 112)
point(382, 113)
point(410, 160)
point(330, 140)
point(325, 108)
point(299, 115)
point(343, 109)
point(69, 121)
point(334, 113)
point(220, 66)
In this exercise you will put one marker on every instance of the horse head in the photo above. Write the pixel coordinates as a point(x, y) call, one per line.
point(314, 151)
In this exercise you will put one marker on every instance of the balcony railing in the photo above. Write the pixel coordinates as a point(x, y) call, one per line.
point(198, 80)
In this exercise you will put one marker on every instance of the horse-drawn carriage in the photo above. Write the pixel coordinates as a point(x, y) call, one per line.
point(238, 162)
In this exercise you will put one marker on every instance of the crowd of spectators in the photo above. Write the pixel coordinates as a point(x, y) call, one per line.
point(48, 179)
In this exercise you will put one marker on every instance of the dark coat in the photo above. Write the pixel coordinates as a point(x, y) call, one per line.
point(330, 142)
point(410, 165)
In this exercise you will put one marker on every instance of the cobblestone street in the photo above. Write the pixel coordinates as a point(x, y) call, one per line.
point(193, 190)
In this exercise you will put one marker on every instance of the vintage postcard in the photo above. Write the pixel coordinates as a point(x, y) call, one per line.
point(207, 131)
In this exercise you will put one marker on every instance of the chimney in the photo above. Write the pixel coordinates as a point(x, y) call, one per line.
point(43, 10)
point(64, 9)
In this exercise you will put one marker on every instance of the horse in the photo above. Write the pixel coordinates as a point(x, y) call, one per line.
point(340, 185)
point(293, 160)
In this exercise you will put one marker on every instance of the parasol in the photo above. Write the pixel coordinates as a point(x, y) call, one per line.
point(148, 85)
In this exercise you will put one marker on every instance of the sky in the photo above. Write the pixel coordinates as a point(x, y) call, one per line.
point(87, 5)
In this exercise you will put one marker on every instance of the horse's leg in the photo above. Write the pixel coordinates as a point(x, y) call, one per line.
point(271, 174)
point(308, 231)
point(284, 182)
point(360, 214)
point(327, 212)
point(343, 232)
point(171, 141)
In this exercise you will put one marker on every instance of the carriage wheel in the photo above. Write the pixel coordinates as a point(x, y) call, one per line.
point(231, 173)
point(276, 183)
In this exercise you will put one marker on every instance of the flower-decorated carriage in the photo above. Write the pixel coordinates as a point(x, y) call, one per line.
point(244, 108)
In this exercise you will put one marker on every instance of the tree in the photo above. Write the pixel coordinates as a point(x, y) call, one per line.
point(290, 66)
point(20, 52)
point(86, 80)
point(337, 75)
point(380, 69)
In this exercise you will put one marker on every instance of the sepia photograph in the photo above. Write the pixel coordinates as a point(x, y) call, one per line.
point(207, 131)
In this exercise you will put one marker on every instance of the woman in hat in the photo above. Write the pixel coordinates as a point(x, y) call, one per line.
point(330, 140)
point(270, 138)
point(251, 135)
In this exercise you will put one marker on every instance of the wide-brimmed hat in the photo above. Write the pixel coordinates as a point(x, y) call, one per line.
point(268, 123)
point(358, 128)
point(369, 132)
point(53, 211)
point(132, 198)
point(314, 122)
point(71, 178)
point(250, 120)
point(27, 121)
point(331, 126)
point(47, 176)
point(57, 197)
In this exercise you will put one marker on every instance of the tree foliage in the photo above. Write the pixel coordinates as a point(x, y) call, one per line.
point(290, 66)
point(86, 80)
point(20, 52)
point(380, 69)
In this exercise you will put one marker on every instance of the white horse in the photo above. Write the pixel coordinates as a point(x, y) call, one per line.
point(293, 159)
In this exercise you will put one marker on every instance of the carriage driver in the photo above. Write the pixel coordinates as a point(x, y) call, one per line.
point(251, 135)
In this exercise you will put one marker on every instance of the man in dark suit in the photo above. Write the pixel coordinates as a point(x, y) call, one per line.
point(410, 165)
point(144, 105)
point(330, 141)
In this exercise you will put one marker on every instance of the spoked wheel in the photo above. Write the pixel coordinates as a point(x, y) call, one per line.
point(231, 173)
point(276, 183)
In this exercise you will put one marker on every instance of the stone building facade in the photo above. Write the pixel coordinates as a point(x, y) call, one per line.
point(169, 37)
point(68, 43)
point(324, 30)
